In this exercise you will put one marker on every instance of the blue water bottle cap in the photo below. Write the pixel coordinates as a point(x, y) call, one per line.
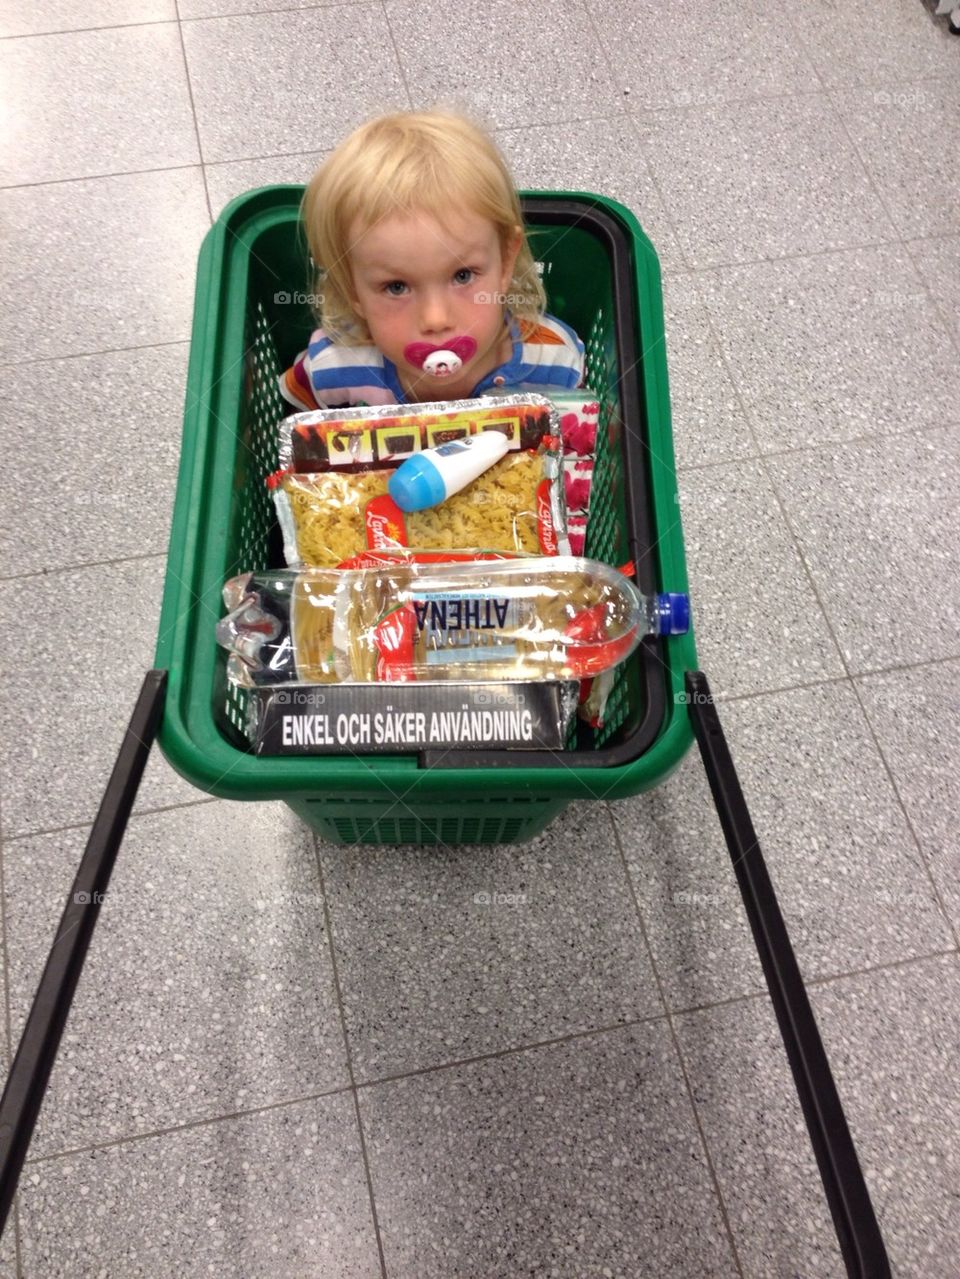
point(416, 484)
point(673, 611)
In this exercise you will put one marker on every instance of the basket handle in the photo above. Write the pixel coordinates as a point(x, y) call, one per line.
point(853, 1217)
point(30, 1072)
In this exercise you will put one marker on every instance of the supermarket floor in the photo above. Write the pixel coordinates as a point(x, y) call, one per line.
point(293, 1059)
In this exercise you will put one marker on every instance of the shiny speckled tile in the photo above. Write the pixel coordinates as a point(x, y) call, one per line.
point(572, 1159)
point(938, 261)
point(851, 884)
point(751, 180)
point(668, 56)
point(878, 523)
point(593, 155)
point(482, 949)
point(280, 1193)
point(891, 1038)
point(74, 647)
point(210, 954)
point(707, 420)
point(899, 131)
point(322, 79)
point(109, 448)
point(507, 66)
point(832, 347)
point(853, 43)
point(915, 715)
point(101, 264)
point(123, 105)
point(758, 623)
point(236, 177)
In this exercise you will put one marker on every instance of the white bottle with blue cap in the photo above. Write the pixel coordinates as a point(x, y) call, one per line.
point(435, 474)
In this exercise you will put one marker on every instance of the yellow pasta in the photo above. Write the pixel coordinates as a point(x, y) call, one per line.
point(497, 512)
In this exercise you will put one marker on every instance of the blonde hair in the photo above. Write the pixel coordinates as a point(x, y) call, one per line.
point(427, 162)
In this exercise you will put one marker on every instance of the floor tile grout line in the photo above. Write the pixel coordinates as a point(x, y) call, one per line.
point(795, 538)
point(97, 177)
point(169, 22)
point(814, 983)
point(352, 1088)
point(856, 693)
point(348, 1055)
point(824, 91)
point(193, 111)
point(396, 53)
point(668, 1017)
point(818, 446)
point(85, 825)
point(77, 31)
point(898, 241)
point(154, 1134)
point(86, 355)
point(906, 240)
point(768, 472)
point(84, 564)
point(514, 1050)
point(918, 843)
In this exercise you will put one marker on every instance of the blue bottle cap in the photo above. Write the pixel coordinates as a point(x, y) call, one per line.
point(416, 484)
point(673, 610)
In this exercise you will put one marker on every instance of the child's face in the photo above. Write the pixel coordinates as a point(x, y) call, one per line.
point(417, 280)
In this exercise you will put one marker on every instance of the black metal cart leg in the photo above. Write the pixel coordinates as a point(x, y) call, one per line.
point(856, 1225)
point(31, 1068)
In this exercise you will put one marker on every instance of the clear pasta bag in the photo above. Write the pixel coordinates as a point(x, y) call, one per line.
point(331, 492)
point(516, 506)
point(493, 620)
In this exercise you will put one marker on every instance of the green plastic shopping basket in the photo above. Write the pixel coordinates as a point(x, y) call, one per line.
point(251, 319)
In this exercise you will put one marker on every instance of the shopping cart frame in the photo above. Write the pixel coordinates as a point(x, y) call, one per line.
point(858, 1233)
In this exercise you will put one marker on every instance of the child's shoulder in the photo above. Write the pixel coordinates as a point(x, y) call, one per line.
point(547, 330)
point(331, 374)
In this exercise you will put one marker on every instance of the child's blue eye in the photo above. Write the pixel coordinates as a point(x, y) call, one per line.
point(466, 271)
point(395, 288)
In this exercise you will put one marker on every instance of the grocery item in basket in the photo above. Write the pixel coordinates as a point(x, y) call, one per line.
point(579, 416)
point(515, 506)
point(382, 436)
point(497, 620)
point(430, 477)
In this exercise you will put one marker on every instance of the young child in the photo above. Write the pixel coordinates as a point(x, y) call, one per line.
point(427, 284)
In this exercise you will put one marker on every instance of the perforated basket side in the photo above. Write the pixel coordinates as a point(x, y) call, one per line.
point(263, 409)
point(606, 525)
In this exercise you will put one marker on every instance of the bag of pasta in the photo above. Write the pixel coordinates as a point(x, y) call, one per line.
point(515, 507)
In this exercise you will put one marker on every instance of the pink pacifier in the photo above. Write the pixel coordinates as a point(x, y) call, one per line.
point(440, 361)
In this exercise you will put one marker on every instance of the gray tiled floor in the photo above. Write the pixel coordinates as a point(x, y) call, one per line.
point(295, 1059)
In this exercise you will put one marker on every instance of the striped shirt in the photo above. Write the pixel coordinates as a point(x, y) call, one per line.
point(547, 356)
